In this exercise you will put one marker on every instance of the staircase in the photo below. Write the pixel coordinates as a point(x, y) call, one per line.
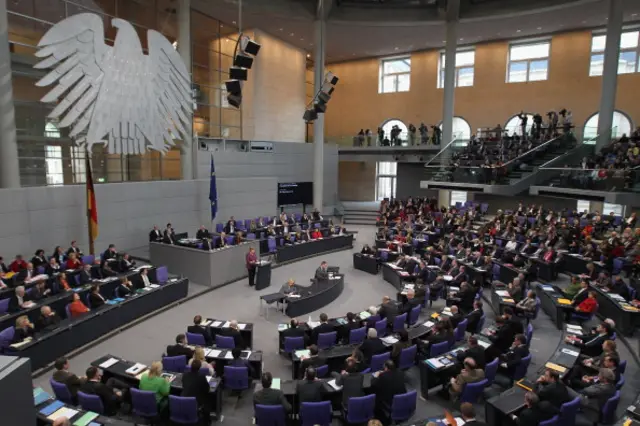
point(550, 154)
point(360, 213)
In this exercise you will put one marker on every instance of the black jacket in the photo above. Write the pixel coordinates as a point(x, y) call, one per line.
point(95, 301)
point(409, 305)
point(371, 347)
point(195, 385)
point(72, 381)
point(455, 319)
point(351, 386)
point(202, 234)
point(85, 277)
point(322, 328)
point(387, 385)
point(13, 302)
point(237, 337)
point(155, 235)
point(47, 322)
point(476, 353)
point(554, 393)
point(473, 318)
point(579, 298)
point(176, 350)
point(204, 331)
point(294, 332)
point(533, 416)
point(109, 399)
point(514, 356)
point(592, 346)
point(22, 333)
point(312, 361)
point(310, 391)
point(389, 311)
point(271, 396)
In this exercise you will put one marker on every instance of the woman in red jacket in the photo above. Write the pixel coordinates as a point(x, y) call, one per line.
point(73, 262)
point(588, 305)
point(316, 234)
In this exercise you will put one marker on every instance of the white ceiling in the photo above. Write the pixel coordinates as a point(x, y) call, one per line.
point(359, 31)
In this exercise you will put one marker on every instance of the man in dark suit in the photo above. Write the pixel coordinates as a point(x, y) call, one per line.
point(473, 318)
point(110, 396)
point(475, 352)
point(532, 414)
point(410, 303)
point(456, 316)
point(202, 233)
point(467, 296)
point(85, 275)
point(234, 331)
point(198, 328)
point(269, 396)
point(468, 414)
point(239, 362)
point(18, 300)
point(109, 256)
point(195, 385)
point(345, 329)
point(294, 331)
point(230, 227)
point(155, 235)
point(180, 347)
point(591, 346)
point(597, 395)
point(47, 319)
point(351, 381)
point(501, 340)
point(324, 327)
point(311, 389)
point(515, 355)
point(388, 310)
point(313, 361)
point(583, 293)
point(169, 236)
point(372, 346)
point(64, 376)
point(322, 273)
point(551, 391)
point(385, 385)
point(512, 321)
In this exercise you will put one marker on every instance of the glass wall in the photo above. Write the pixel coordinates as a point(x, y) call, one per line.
point(46, 154)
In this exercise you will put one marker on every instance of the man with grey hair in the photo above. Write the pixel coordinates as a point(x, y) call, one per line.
point(372, 346)
point(596, 396)
point(234, 331)
point(411, 302)
point(19, 300)
point(532, 414)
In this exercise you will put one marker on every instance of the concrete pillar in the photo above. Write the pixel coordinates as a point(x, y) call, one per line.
point(188, 149)
point(318, 125)
point(444, 198)
point(9, 167)
point(610, 73)
point(449, 81)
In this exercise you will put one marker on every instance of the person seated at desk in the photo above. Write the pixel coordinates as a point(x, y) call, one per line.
point(511, 245)
point(519, 261)
point(19, 300)
point(618, 286)
point(533, 412)
point(402, 343)
point(125, 288)
point(311, 389)
point(582, 294)
point(155, 235)
point(85, 275)
point(294, 331)
point(234, 331)
point(603, 280)
point(76, 307)
point(47, 319)
point(198, 355)
point(528, 304)
point(286, 240)
point(385, 385)
point(501, 339)
point(591, 273)
point(64, 376)
point(52, 268)
point(468, 414)
point(410, 303)
point(198, 328)
point(39, 291)
point(473, 317)
point(591, 346)
point(324, 327)
point(289, 287)
point(3, 267)
point(180, 348)
point(366, 249)
point(202, 233)
point(316, 234)
point(586, 380)
point(388, 309)
point(195, 385)
point(588, 365)
point(516, 353)
point(24, 329)
point(18, 264)
point(230, 226)
point(95, 298)
point(126, 263)
point(313, 360)
point(322, 273)
point(169, 236)
point(144, 277)
point(440, 334)
point(111, 393)
point(551, 391)
point(528, 247)
point(39, 259)
point(573, 288)
point(594, 397)
point(456, 316)
point(474, 351)
point(269, 396)
point(152, 381)
point(345, 329)
point(239, 362)
point(316, 215)
point(466, 297)
point(371, 346)
point(26, 275)
point(588, 306)
point(73, 262)
point(460, 277)
point(351, 381)
point(469, 374)
point(108, 257)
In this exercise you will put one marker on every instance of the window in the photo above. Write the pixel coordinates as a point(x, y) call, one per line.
point(464, 69)
point(386, 179)
point(629, 51)
point(394, 75)
point(514, 125)
point(620, 125)
point(617, 209)
point(53, 163)
point(51, 131)
point(583, 205)
point(528, 62)
point(458, 197)
point(78, 164)
point(389, 124)
point(461, 130)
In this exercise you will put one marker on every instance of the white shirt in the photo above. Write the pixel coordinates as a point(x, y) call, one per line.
point(145, 280)
point(511, 245)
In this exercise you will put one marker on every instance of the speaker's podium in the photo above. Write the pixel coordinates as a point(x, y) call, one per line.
point(263, 275)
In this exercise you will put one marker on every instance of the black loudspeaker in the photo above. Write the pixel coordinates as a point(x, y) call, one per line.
point(324, 97)
point(320, 107)
point(237, 73)
point(252, 48)
point(331, 78)
point(234, 100)
point(234, 87)
point(243, 61)
point(310, 115)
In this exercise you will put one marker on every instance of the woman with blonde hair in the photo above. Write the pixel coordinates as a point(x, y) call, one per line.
point(153, 381)
point(198, 354)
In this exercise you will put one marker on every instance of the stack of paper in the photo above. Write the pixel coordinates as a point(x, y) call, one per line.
point(333, 384)
point(548, 288)
point(570, 352)
point(228, 355)
point(435, 363)
point(226, 324)
point(216, 324)
point(429, 324)
point(502, 293)
point(63, 412)
point(390, 340)
point(213, 353)
point(242, 326)
point(302, 353)
point(108, 363)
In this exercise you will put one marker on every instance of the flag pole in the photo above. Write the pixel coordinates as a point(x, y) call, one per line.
point(89, 185)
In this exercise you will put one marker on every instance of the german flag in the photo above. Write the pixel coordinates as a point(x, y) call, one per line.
point(92, 207)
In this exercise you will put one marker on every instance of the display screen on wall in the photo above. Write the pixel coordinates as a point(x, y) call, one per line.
point(295, 193)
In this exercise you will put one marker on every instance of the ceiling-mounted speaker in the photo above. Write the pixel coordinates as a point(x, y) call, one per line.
point(320, 107)
point(310, 115)
point(234, 100)
point(233, 86)
point(237, 73)
point(331, 78)
point(251, 47)
point(243, 61)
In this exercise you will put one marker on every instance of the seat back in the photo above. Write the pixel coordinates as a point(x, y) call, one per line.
point(162, 274)
point(414, 314)
point(236, 378)
point(269, 415)
point(6, 337)
point(195, 339)
point(371, 321)
point(4, 305)
point(480, 326)
point(174, 364)
point(398, 322)
point(360, 409)
point(88, 259)
point(271, 244)
point(61, 391)
point(553, 421)
point(183, 410)
point(143, 403)
point(225, 342)
point(327, 340)
point(622, 367)
point(357, 335)
point(529, 334)
point(219, 228)
point(438, 349)
point(461, 328)
point(620, 383)
point(407, 357)
point(316, 413)
point(90, 402)
point(490, 371)
point(377, 361)
point(608, 412)
point(293, 343)
point(568, 412)
point(472, 391)
point(521, 368)
point(381, 327)
point(322, 370)
point(403, 406)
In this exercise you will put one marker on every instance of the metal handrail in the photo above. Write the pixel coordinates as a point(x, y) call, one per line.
point(440, 152)
point(532, 150)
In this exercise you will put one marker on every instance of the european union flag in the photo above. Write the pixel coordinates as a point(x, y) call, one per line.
point(213, 192)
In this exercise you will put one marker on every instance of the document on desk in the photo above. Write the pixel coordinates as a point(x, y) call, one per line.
point(282, 327)
point(313, 324)
point(228, 355)
point(502, 293)
point(207, 323)
point(303, 353)
point(429, 324)
point(226, 324)
point(63, 412)
point(213, 353)
point(435, 363)
point(293, 296)
point(242, 326)
point(154, 285)
point(333, 384)
point(216, 324)
point(547, 288)
point(21, 344)
point(108, 363)
point(136, 368)
point(390, 340)
point(484, 343)
point(570, 352)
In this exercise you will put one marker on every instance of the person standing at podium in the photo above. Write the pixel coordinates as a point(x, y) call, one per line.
point(252, 262)
point(322, 272)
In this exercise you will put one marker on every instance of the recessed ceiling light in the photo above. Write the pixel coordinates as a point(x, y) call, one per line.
point(499, 33)
point(353, 54)
point(301, 38)
point(633, 15)
point(221, 25)
point(518, 31)
point(310, 44)
point(233, 22)
point(539, 28)
point(395, 48)
point(280, 29)
point(308, 55)
point(291, 34)
point(584, 22)
point(461, 38)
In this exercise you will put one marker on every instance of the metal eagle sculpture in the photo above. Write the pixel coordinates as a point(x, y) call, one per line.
point(117, 95)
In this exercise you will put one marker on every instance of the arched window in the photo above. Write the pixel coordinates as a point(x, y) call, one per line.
point(621, 125)
point(460, 128)
point(51, 131)
point(388, 125)
point(514, 124)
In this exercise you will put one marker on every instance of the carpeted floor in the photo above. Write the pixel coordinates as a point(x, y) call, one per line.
point(147, 341)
